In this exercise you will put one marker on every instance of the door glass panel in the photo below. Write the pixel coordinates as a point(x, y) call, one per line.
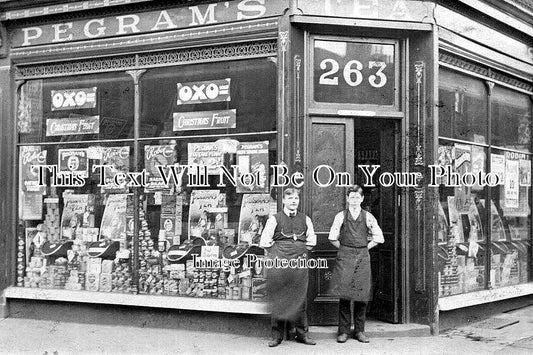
point(328, 148)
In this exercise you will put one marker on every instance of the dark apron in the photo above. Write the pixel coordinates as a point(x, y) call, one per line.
point(351, 277)
point(287, 288)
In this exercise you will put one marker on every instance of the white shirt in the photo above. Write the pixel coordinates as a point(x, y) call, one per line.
point(371, 224)
point(270, 226)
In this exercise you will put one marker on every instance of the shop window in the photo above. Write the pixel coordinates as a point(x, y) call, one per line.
point(201, 126)
point(510, 219)
point(209, 99)
point(483, 244)
point(463, 226)
point(79, 108)
point(462, 107)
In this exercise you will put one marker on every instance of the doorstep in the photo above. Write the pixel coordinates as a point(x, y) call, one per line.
point(376, 329)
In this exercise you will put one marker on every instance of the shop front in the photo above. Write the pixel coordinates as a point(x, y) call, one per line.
point(152, 141)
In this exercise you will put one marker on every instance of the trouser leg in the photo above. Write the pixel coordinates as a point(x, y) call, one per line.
point(278, 327)
point(359, 316)
point(345, 320)
point(300, 321)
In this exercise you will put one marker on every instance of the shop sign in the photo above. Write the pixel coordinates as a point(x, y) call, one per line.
point(191, 121)
point(397, 10)
point(72, 126)
point(200, 92)
point(355, 72)
point(73, 99)
point(147, 22)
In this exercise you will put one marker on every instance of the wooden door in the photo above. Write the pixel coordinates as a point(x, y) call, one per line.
point(343, 144)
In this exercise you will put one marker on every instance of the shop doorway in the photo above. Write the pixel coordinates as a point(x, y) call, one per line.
point(345, 144)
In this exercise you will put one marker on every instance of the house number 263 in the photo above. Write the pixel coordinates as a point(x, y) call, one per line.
point(352, 73)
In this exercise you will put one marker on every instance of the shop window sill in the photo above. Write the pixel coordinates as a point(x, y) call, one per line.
point(156, 301)
point(485, 296)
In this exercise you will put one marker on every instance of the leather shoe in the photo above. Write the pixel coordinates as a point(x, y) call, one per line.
point(361, 337)
point(274, 342)
point(342, 338)
point(305, 340)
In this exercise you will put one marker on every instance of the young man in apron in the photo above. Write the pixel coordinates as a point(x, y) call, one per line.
point(354, 231)
point(288, 235)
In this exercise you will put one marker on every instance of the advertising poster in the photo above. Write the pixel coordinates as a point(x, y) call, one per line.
point(200, 120)
point(511, 183)
point(497, 229)
point(201, 92)
point(478, 164)
point(463, 164)
point(252, 158)
point(207, 154)
point(29, 178)
point(204, 208)
point(525, 172)
point(255, 210)
point(113, 226)
point(118, 161)
point(74, 160)
point(72, 126)
point(443, 226)
point(114, 127)
point(158, 155)
point(77, 208)
point(476, 210)
point(171, 216)
point(30, 107)
point(31, 232)
point(31, 207)
point(445, 155)
point(497, 166)
point(455, 219)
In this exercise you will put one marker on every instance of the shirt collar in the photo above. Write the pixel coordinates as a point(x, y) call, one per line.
point(286, 211)
point(355, 211)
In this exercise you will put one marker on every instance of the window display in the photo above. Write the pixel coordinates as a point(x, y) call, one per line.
point(200, 185)
point(484, 232)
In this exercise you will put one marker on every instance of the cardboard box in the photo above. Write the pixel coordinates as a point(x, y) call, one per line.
point(106, 282)
point(107, 267)
point(259, 289)
point(92, 282)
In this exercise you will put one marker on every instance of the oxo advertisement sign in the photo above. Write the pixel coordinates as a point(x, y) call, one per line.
point(73, 99)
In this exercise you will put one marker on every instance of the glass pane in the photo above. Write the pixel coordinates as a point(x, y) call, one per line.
point(79, 108)
point(511, 119)
point(329, 148)
point(354, 73)
point(193, 209)
point(462, 107)
point(75, 224)
point(462, 222)
point(510, 219)
point(211, 98)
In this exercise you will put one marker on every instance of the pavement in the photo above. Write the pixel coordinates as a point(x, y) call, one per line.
point(505, 333)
